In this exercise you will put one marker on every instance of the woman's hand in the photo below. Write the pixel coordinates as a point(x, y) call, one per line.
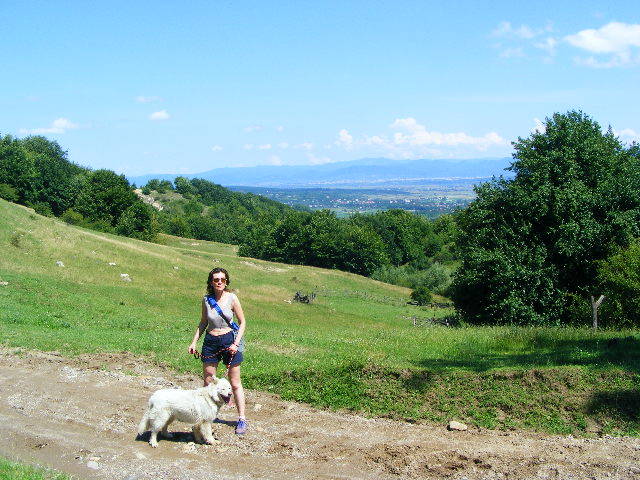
point(233, 348)
point(192, 349)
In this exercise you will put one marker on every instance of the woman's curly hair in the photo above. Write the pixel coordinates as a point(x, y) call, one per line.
point(210, 290)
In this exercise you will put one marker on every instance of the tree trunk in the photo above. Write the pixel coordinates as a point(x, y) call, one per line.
point(594, 305)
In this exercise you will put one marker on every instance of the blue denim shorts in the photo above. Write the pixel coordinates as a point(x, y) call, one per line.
point(212, 346)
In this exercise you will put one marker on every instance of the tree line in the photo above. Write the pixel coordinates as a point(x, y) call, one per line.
point(529, 250)
point(35, 171)
point(394, 246)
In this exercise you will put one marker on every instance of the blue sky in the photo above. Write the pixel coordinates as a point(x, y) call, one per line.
point(183, 87)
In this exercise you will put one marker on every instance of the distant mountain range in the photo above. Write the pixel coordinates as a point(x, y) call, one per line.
point(366, 172)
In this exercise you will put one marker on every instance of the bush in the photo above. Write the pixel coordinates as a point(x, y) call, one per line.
point(137, 222)
point(422, 295)
point(393, 275)
point(8, 192)
point(72, 217)
point(436, 277)
point(619, 277)
point(42, 208)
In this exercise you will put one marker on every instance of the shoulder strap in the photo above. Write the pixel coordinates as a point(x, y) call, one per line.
point(212, 302)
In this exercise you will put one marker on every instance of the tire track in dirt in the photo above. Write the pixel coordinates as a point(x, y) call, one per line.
point(80, 416)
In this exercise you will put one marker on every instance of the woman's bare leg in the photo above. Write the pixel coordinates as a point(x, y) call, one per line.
point(238, 391)
point(209, 372)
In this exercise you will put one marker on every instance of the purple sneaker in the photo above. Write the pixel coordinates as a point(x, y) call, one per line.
point(241, 427)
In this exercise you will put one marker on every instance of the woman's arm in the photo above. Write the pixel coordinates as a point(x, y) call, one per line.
point(201, 328)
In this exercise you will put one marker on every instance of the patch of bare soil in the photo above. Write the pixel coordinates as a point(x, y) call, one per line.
point(80, 416)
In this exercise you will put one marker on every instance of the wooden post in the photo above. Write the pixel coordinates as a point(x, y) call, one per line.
point(594, 305)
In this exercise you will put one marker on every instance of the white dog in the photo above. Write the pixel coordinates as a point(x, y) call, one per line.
point(198, 407)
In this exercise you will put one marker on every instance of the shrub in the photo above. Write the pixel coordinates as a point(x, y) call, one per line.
point(8, 192)
point(42, 208)
point(422, 295)
point(619, 276)
point(137, 222)
point(72, 217)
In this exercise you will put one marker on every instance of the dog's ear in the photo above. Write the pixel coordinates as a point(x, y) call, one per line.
point(213, 393)
point(214, 381)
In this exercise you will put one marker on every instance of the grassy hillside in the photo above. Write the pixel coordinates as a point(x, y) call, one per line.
point(351, 348)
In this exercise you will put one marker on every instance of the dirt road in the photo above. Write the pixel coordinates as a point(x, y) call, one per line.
point(72, 415)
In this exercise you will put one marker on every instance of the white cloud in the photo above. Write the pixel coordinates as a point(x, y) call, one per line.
point(627, 134)
point(315, 160)
point(505, 29)
point(280, 128)
point(514, 41)
point(304, 146)
point(617, 60)
point(253, 128)
point(512, 53)
point(248, 146)
point(283, 145)
point(216, 148)
point(345, 139)
point(412, 140)
point(275, 160)
point(615, 39)
point(266, 146)
point(549, 45)
point(417, 134)
point(161, 115)
point(59, 125)
point(540, 126)
point(143, 99)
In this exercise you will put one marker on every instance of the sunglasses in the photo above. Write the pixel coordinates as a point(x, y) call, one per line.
point(219, 280)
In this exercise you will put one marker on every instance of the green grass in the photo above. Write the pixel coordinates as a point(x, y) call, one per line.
point(352, 348)
point(18, 471)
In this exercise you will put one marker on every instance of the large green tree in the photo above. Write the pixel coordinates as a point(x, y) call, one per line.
point(530, 245)
point(18, 170)
point(56, 183)
point(105, 196)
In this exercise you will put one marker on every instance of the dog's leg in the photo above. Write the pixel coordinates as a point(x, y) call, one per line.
point(153, 440)
point(165, 432)
point(207, 434)
point(144, 423)
point(197, 436)
point(158, 419)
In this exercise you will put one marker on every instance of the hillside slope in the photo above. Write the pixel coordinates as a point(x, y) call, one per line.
point(355, 347)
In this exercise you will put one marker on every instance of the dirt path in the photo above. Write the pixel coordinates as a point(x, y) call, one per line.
point(73, 416)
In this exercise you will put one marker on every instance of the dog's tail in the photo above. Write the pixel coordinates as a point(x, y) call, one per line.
point(144, 423)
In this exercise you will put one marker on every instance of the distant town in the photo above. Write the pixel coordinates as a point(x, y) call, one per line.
point(428, 200)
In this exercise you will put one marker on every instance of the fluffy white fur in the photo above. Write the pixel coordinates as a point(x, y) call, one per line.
point(198, 407)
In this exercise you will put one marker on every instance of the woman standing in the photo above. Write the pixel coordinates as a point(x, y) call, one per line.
point(220, 343)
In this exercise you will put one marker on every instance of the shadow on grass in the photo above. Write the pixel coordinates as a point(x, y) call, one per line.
point(618, 403)
point(543, 351)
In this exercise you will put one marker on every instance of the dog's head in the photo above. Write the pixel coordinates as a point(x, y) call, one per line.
point(220, 390)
